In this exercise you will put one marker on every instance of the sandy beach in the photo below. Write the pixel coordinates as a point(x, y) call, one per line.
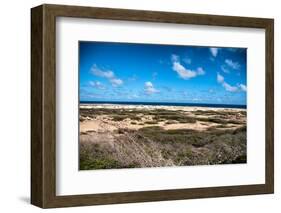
point(134, 136)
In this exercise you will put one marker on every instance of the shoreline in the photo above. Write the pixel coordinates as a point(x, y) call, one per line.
point(136, 103)
point(184, 108)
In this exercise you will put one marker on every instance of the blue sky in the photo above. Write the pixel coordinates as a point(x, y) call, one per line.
point(162, 73)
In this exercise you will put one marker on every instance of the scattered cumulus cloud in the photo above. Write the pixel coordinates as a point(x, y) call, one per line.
point(149, 88)
point(101, 73)
point(200, 71)
point(175, 57)
point(116, 82)
point(232, 64)
point(243, 87)
point(220, 78)
point(214, 51)
point(224, 69)
point(228, 87)
point(108, 74)
point(172, 77)
point(183, 72)
point(148, 84)
point(97, 84)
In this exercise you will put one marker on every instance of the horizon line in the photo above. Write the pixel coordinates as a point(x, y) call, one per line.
point(159, 102)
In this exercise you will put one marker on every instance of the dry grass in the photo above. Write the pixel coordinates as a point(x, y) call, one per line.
point(153, 146)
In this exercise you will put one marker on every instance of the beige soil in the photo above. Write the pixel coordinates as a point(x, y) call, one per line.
point(105, 124)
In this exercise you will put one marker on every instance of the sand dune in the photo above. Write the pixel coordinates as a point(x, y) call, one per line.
point(125, 136)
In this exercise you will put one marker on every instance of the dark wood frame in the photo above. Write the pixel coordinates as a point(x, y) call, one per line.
point(43, 105)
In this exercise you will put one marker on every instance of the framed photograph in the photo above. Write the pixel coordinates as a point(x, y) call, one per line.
point(136, 106)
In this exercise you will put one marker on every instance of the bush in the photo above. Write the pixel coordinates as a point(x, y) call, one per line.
point(119, 117)
point(151, 122)
point(102, 163)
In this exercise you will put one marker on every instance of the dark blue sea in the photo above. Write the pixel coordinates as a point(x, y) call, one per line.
point(167, 104)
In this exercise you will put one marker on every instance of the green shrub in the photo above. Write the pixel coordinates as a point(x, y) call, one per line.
point(118, 117)
point(102, 163)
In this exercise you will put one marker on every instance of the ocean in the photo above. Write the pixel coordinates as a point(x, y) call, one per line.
point(167, 104)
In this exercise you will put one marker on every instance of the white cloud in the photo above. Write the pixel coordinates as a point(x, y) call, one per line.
point(101, 73)
point(97, 84)
point(175, 58)
point(149, 88)
point(183, 72)
point(108, 74)
point(116, 82)
point(224, 69)
point(232, 64)
point(148, 84)
point(214, 51)
point(220, 78)
point(228, 87)
point(200, 71)
point(243, 87)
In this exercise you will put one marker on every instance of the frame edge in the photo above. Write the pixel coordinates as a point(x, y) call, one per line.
point(37, 197)
point(269, 73)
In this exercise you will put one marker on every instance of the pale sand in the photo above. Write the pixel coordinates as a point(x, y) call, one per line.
point(149, 107)
point(98, 125)
point(104, 124)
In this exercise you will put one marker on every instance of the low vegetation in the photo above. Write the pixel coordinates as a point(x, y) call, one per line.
point(223, 141)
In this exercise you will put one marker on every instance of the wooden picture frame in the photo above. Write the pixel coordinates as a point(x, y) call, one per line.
point(43, 105)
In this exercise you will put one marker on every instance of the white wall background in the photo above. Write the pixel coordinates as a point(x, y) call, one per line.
point(15, 105)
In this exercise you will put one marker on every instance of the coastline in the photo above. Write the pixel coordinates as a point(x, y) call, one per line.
point(129, 106)
point(147, 103)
